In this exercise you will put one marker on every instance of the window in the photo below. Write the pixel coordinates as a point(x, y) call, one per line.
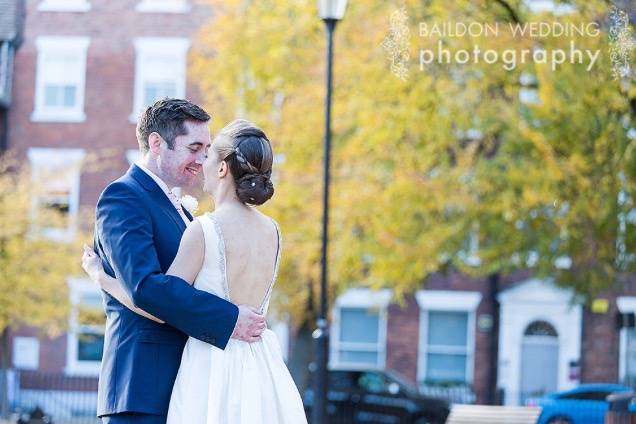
point(85, 340)
point(160, 71)
point(627, 359)
point(26, 353)
point(60, 79)
point(342, 380)
point(55, 174)
point(163, 6)
point(447, 346)
point(373, 382)
point(360, 329)
point(447, 336)
point(599, 396)
point(7, 52)
point(64, 6)
point(540, 328)
point(359, 336)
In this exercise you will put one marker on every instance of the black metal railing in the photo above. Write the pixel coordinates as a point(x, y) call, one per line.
point(63, 399)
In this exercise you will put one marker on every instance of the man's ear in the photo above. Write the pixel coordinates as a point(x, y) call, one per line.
point(154, 143)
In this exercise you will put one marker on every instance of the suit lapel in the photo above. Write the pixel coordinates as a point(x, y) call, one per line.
point(187, 213)
point(157, 194)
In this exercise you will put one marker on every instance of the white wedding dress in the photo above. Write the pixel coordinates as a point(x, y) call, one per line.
point(247, 383)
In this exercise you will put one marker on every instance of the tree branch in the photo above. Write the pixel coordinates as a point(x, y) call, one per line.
point(511, 12)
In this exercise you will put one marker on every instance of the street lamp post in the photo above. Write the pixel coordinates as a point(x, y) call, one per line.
point(331, 11)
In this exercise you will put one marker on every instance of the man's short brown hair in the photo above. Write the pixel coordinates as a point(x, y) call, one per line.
point(166, 117)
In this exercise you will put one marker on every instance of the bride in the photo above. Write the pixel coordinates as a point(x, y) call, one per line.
point(233, 252)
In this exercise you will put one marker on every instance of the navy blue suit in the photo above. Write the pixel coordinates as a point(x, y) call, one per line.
point(137, 235)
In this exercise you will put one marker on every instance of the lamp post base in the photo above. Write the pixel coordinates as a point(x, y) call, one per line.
point(321, 342)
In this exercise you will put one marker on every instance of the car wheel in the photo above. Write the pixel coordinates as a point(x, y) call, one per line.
point(559, 420)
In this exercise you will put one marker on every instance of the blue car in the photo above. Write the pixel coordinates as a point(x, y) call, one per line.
point(585, 404)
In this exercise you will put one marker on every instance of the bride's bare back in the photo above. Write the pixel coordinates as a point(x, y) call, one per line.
point(251, 248)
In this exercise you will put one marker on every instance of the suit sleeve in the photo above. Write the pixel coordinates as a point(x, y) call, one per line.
point(126, 236)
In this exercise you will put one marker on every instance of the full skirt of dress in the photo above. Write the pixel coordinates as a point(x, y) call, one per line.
point(247, 383)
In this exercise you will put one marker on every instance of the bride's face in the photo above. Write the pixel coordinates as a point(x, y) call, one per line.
point(212, 167)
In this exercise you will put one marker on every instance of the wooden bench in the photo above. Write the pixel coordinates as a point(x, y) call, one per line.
point(484, 414)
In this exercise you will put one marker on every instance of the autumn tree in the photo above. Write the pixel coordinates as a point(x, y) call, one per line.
point(33, 268)
point(465, 165)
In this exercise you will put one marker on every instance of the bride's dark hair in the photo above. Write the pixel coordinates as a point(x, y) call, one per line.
point(247, 150)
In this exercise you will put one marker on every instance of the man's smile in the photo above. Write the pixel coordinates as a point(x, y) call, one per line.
point(193, 169)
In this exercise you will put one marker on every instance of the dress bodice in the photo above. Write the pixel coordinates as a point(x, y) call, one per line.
point(213, 274)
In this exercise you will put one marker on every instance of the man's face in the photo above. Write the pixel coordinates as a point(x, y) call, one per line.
point(181, 166)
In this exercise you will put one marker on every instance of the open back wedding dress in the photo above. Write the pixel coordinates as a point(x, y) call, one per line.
point(246, 382)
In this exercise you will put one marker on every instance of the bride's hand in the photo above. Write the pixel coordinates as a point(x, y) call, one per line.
point(92, 264)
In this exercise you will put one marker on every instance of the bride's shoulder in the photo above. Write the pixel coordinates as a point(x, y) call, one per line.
point(268, 221)
point(193, 237)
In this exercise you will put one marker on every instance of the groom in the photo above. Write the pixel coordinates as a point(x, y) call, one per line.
point(139, 224)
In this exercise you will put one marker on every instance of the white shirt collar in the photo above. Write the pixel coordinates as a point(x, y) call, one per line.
point(158, 180)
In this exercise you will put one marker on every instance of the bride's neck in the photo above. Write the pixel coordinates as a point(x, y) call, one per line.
point(225, 198)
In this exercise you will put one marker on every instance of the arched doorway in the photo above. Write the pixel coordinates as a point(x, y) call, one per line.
point(539, 360)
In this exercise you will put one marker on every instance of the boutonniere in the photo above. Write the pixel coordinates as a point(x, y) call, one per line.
point(190, 203)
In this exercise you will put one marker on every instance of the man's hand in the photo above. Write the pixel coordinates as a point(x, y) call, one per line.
point(92, 264)
point(249, 325)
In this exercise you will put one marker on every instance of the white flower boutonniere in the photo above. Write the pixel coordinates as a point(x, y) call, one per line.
point(190, 203)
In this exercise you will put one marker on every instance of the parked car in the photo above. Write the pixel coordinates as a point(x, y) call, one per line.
point(371, 396)
point(585, 404)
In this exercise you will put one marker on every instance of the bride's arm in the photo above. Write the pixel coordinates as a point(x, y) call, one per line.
point(186, 265)
point(93, 267)
point(189, 260)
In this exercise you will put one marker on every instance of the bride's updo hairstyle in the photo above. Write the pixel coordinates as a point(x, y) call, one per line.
point(247, 150)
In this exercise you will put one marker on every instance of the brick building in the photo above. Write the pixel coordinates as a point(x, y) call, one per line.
point(500, 340)
point(83, 72)
point(85, 69)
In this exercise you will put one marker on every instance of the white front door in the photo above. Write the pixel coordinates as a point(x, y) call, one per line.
point(539, 335)
point(539, 360)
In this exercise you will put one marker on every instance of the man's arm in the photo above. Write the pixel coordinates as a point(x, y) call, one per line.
point(126, 236)
point(93, 266)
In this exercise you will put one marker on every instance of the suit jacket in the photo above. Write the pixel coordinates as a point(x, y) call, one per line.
point(137, 235)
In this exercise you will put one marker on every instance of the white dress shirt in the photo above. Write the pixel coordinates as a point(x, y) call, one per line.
point(169, 194)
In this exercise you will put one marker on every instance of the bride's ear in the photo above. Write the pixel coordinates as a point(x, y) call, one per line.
point(223, 169)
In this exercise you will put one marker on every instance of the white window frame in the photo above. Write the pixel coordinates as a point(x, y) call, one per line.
point(61, 45)
point(447, 301)
point(626, 304)
point(148, 47)
point(360, 299)
point(64, 6)
point(78, 287)
point(163, 6)
point(41, 158)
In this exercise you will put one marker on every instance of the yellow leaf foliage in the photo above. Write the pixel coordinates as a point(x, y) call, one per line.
point(410, 185)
